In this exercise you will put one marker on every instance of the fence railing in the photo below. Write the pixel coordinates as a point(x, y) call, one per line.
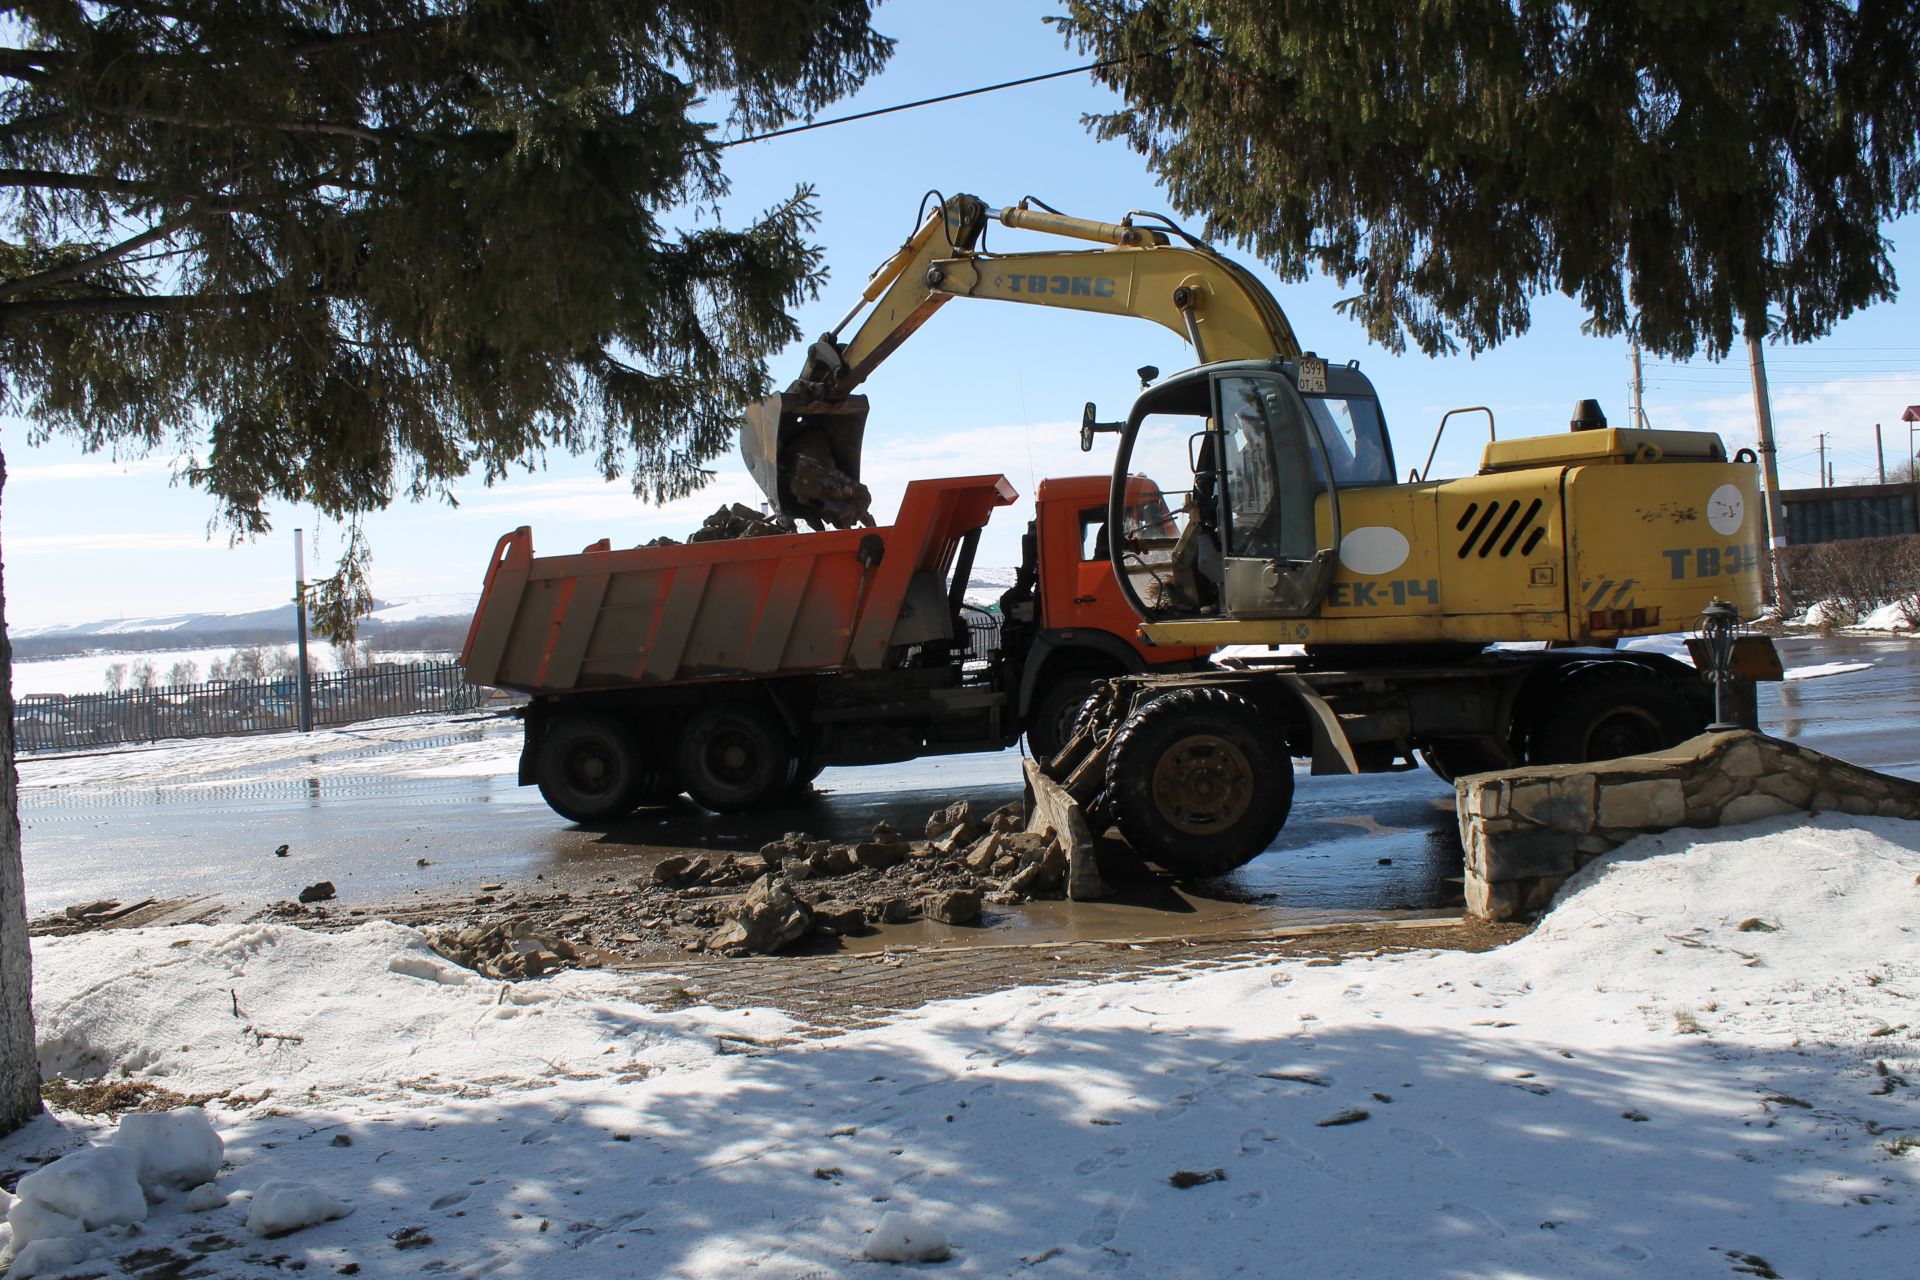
point(63, 722)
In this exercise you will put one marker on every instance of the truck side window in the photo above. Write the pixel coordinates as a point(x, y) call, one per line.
point(1093, 534)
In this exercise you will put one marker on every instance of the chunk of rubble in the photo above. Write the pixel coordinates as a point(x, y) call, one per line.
point(770, 917)
point(840, 918)
point(954, 906)
point(508, 950)
point(736, 520)
point(957, 814)
point(878, 856)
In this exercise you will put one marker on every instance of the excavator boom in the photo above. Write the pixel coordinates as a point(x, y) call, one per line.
point(803, 446)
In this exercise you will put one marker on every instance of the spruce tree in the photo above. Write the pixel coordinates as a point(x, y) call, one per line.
point(339, 253)
point(1681, 170)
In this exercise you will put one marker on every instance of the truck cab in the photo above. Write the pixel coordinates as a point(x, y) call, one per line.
point(1070, 620)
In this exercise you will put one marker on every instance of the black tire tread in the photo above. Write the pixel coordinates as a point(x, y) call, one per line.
point(1129, 786)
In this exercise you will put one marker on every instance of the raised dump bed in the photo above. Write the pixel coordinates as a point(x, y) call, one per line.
point(651, 616)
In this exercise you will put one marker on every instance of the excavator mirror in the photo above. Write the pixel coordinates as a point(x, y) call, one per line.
point(1090, 428)
point(1147, 372)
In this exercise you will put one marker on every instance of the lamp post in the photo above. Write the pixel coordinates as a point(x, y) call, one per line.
point(1719, 625)
point(300, 611)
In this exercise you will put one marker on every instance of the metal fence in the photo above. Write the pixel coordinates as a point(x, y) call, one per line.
point(63, 722)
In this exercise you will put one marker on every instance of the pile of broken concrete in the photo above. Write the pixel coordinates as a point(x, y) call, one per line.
point(735, 520)
point(802, 885)
point(510, 950)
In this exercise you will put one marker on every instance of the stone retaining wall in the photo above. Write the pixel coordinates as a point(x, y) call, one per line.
point(1526, 830)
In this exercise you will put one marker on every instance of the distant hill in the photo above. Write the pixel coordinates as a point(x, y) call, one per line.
point(427, 623)
point(424, 623)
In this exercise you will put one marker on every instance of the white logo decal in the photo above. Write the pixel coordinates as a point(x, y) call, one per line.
point(1725, 510)
point(1373, 550)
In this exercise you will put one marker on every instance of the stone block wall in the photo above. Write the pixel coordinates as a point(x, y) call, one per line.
point(1526, 830)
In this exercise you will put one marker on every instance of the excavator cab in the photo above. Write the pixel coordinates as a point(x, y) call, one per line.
point(1260, 526)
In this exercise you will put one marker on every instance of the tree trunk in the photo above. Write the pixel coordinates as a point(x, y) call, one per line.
point(19, 1067)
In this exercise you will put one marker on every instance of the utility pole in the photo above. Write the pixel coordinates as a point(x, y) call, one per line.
point(1826, 479)
point(1776, 514)
point(1880, 452)
point(1639, 414)
point(300, 611)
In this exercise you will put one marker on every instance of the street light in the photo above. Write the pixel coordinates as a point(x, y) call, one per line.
point(1719, 627)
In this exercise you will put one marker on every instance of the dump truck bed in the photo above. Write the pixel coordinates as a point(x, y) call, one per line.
point(748, 608)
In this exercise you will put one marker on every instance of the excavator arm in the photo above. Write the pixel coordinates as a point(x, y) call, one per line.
point(803, 446)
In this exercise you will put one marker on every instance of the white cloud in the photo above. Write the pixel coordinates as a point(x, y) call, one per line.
point(131, 541)
point(91, 469)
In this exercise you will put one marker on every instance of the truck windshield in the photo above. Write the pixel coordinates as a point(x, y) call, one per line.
point(1354, 439)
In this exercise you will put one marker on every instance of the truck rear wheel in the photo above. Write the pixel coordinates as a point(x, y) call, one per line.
point(1055, 711)
point(1197, 782)
point(591, 768)
point(734, 757)
point(1603, 714)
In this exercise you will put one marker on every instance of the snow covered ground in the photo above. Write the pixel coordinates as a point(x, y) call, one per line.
point(1887, 619)
point(1704, 1062)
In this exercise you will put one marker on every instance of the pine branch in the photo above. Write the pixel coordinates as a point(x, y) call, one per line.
point(106, 257)
point(55, 180)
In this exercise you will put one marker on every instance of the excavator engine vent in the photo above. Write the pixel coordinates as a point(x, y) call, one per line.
point(1501, 524)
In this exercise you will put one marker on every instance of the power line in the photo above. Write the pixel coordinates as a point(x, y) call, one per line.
point(924, 102)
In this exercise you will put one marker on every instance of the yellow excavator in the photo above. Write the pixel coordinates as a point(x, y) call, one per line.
point(1358, 610)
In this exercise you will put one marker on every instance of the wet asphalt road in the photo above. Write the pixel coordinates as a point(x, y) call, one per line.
point(1376, 845)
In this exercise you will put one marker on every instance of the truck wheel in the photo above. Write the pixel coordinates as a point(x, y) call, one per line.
point(1606, 714)
point(1051, 718)
point(735, 757)
point(1197, 783)
point(800, 786)
point(657, 786)
point(591, 768)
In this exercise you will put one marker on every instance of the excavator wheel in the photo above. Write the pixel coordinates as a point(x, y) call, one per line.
point(1197, 783)
point(591, 768)
point(735, 756)
point(1611, 711)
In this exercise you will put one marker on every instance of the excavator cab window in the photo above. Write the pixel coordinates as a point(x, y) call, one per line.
point(1273, 480)
point(1270, 476)
point(1353, 438)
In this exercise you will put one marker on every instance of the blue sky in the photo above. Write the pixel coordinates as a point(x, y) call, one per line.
point(983, 387)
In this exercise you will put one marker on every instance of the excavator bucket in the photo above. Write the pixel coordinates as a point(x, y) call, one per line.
point(804, 454)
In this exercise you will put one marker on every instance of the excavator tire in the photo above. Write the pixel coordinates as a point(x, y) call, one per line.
point(1197, 783)
point(1609, 711)
point(735, 756)
point(591, 768)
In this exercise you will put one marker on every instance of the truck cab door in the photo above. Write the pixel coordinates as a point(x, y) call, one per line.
point(1279, 511)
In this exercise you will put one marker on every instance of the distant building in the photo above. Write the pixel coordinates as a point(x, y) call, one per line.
point(1852, 511)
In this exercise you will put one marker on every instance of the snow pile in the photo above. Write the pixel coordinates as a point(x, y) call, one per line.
point(177, 1150)
point(1892, 617)
point(64, 1208)
point(1704, 1061)
point(210, 1007)
point(281, 1206)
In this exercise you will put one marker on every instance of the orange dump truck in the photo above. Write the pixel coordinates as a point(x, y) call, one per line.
point(735, 671)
